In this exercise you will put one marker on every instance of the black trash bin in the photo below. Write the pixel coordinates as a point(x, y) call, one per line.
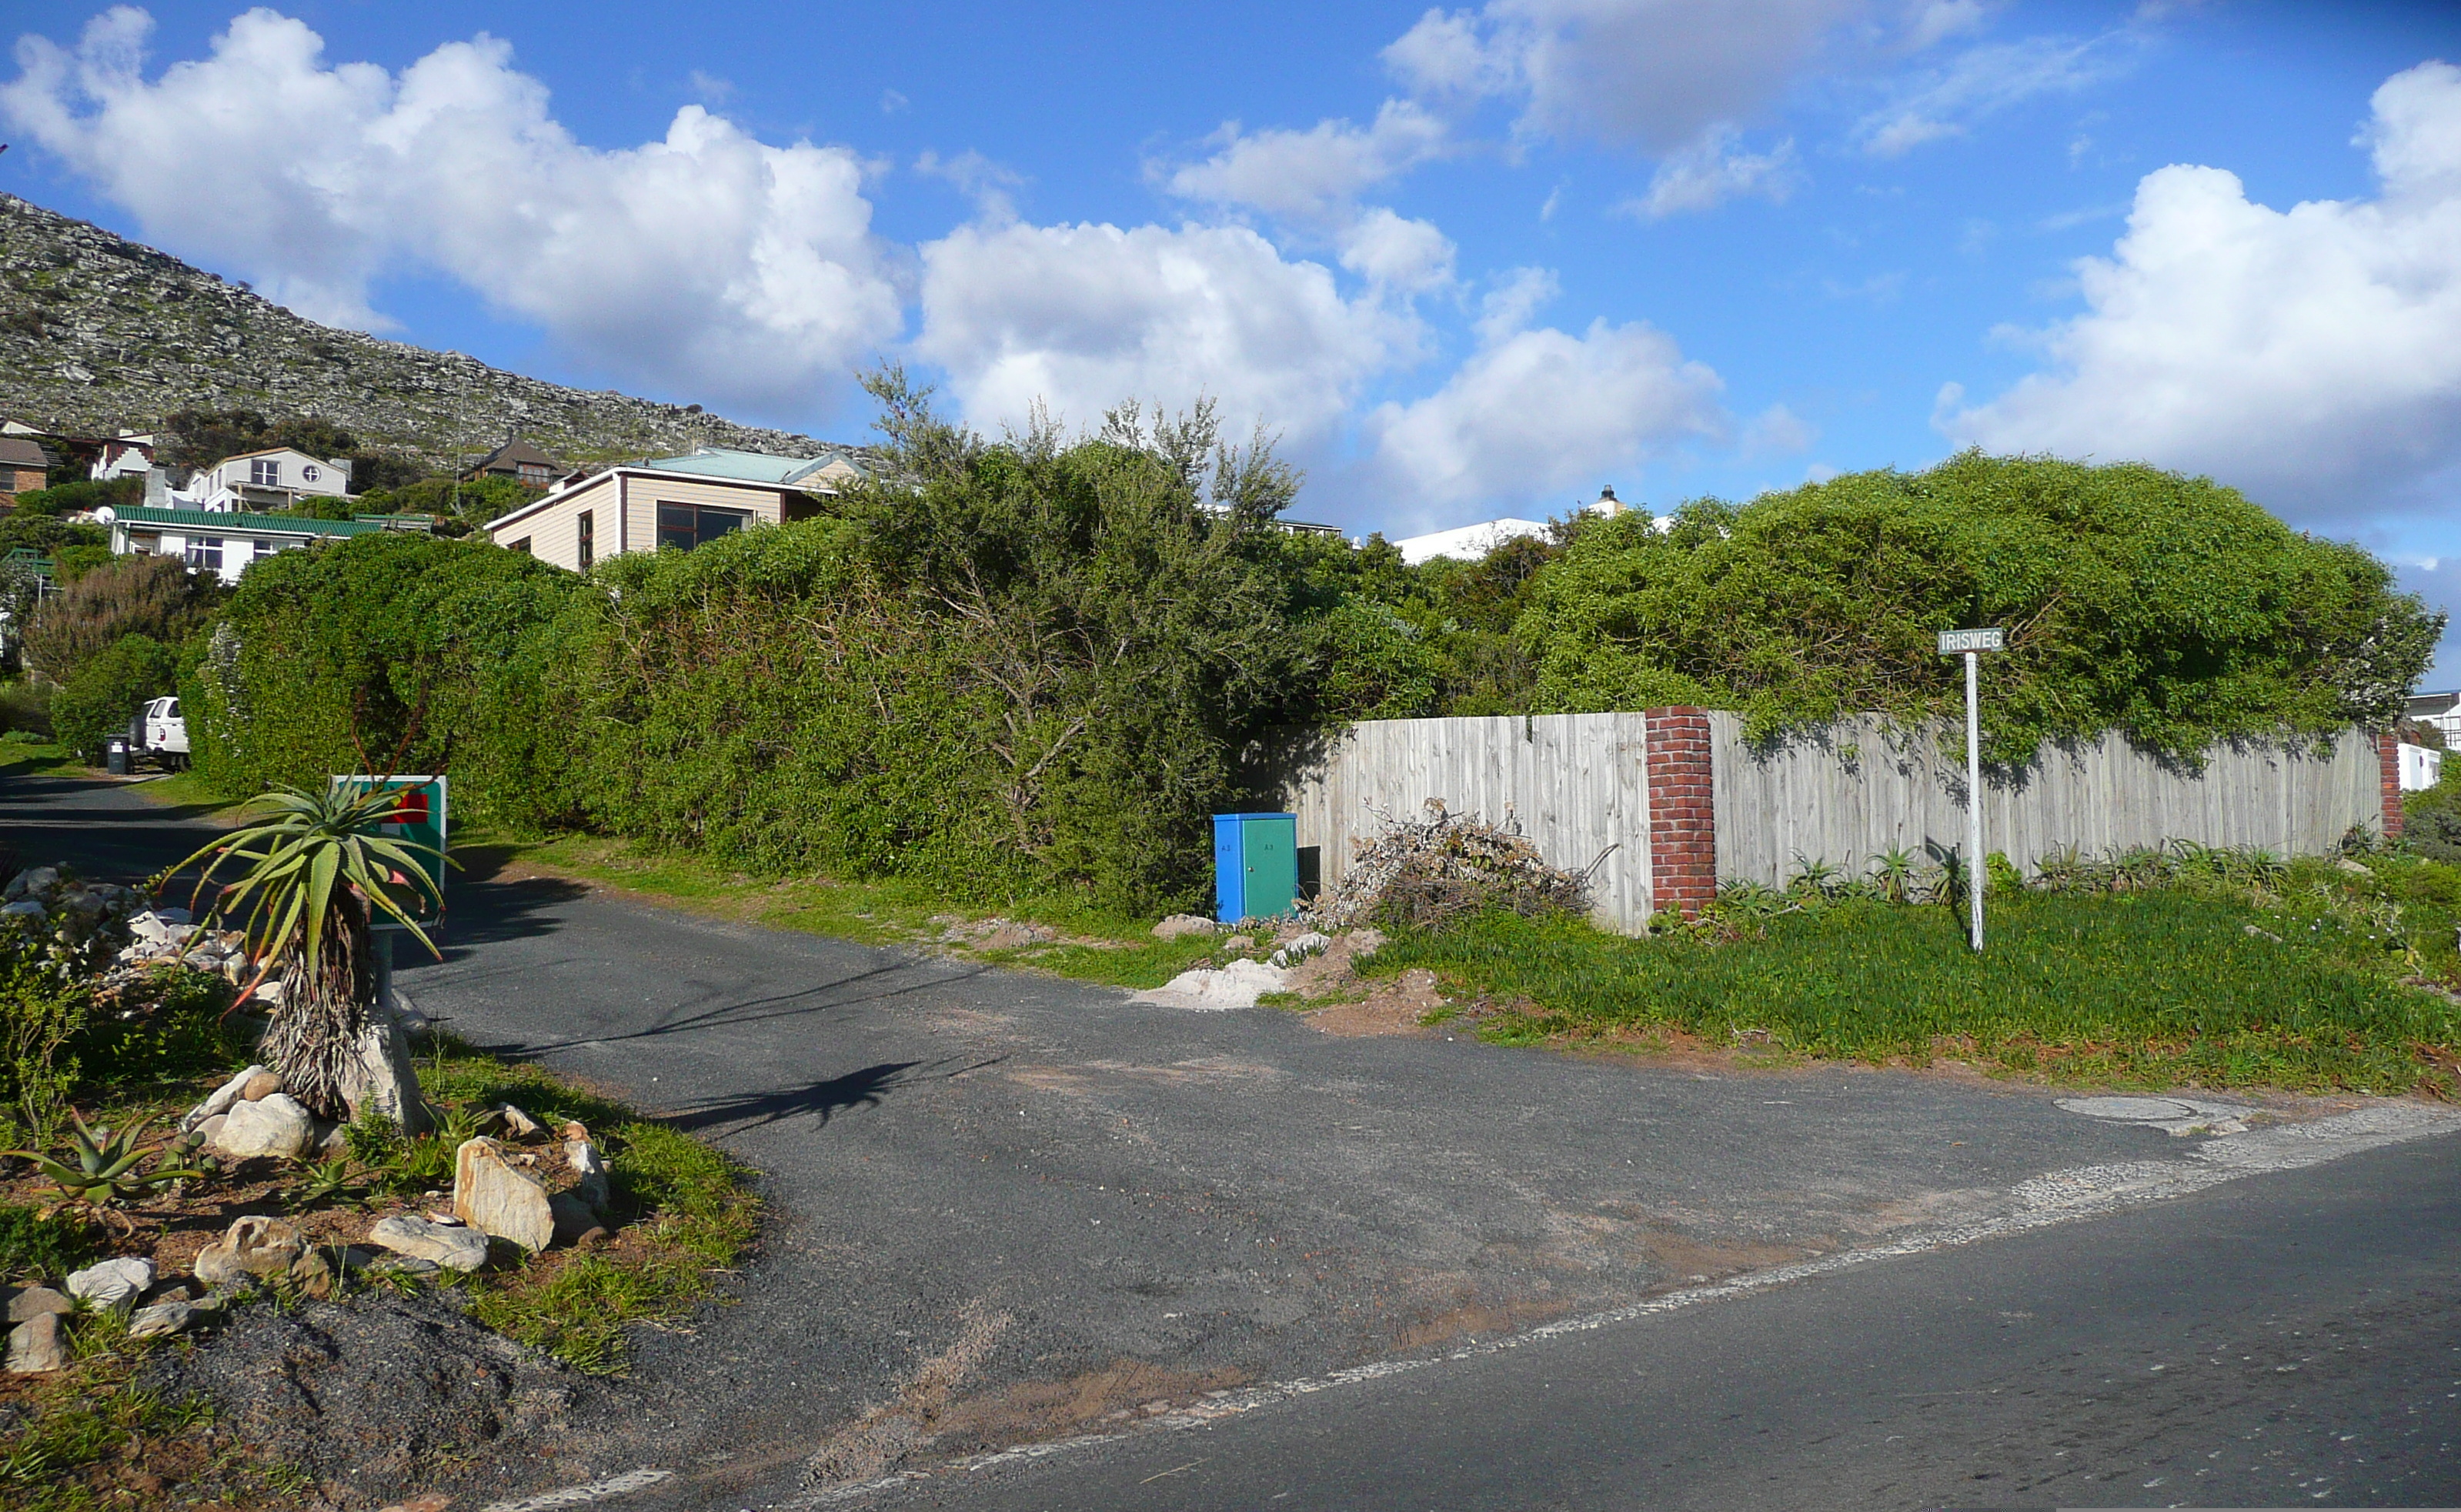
point(114, 755)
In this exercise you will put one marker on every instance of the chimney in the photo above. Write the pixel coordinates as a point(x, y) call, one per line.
point(157, 488)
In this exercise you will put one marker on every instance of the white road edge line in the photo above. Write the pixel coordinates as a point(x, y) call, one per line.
point(2042, 1202)
point(578, 1496)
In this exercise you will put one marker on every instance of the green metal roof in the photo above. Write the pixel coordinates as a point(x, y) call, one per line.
point(240, 522)
point(750, 467)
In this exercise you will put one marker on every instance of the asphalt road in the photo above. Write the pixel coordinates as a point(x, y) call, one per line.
point(1012, 1209)
point(2291, 1341)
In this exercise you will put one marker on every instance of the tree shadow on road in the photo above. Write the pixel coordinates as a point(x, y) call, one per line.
point(822, 1100)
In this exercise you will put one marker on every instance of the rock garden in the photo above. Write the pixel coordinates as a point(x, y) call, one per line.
point(260, 1246)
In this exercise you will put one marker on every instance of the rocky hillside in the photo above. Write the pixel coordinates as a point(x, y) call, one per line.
point(99, 333)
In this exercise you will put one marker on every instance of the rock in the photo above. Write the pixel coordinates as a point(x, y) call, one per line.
point(573, 1217)
point(37, 1345)
point(1299, 947)
point(495, 1199)
point(35, 1302)
point(1237, 985)
point(2353, 867)
point(162, 1317)
point(589, 1172)
point(176, 918)
point(211, 1129)
point(381, 1078)
point(519, 1124)
point(222, 1097)
point(254, 1249)
point(24, 908)
point(1180, 925)
point(109, 1284)
point(1239, 942)
point(1366, 942)
point(404, 1265)
point(453, 1246)
point(277, 1127)
point(259, 1087)
point(33, 880)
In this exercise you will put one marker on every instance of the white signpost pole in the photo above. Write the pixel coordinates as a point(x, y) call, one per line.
point(1976, 872)
point(1971, 644)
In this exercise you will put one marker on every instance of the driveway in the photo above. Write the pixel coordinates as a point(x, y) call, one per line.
point(1012, 1208)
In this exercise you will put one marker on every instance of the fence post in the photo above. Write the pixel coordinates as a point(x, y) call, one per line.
point(1683, 810)
point(2388, 764)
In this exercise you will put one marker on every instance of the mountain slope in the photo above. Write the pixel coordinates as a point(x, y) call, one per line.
point(99, 333)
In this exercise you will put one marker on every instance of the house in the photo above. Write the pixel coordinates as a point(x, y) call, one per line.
point(680, 502)
point(519, 460)
point(224, 542)
point(128, 455)
point(276, 477)
point(1472, 542)
point(24, 465)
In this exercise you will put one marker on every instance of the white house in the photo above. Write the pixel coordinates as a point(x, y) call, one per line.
point(1471, 543)
point(277, 477)
point(222, 542)
point(128, 455)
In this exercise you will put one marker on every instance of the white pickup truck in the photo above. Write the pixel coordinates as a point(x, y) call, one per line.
point(162, 734)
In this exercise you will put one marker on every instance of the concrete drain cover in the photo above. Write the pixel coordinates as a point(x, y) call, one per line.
point(2176, 1115)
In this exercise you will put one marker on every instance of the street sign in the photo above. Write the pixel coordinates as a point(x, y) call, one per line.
point(418, 820)
point(1969, 644)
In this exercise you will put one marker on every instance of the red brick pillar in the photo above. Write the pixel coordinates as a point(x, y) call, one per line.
point(1682, 812)
point(2388, 765)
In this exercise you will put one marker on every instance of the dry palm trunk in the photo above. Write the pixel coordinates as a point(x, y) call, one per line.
point(314, 1036)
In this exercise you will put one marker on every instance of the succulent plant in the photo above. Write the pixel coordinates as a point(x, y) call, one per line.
point(105, 1166)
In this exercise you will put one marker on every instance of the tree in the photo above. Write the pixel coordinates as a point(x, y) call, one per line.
point(155, 597)
point(314, 873)
point(2167, 607)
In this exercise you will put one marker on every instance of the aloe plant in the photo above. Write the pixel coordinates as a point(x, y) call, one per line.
point(317, 870)
point(105, 1172)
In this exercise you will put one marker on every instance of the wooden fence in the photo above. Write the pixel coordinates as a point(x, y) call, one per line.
point(1619, 792)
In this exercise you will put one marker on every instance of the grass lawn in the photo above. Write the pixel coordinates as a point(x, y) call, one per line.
point(2302, 986)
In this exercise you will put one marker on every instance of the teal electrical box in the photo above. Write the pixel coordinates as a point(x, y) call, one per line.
point(1255, 866)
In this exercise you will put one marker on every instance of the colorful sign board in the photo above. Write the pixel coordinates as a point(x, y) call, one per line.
point(420, 820)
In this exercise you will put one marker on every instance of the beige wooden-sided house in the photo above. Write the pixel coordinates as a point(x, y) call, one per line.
point(679, 501)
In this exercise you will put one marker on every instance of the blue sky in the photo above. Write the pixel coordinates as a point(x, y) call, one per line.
point(1466, 262)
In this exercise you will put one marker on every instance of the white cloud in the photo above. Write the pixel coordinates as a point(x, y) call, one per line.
point(1537, 412)
point(1650, 72)
point(1778, 431)
point(1308, 176)
point(1713, 170)
point(706, 259)
point(2312, 356)
point(1515, 302)
point(1984, 81)
point(1084, 317)
point(1393, 252)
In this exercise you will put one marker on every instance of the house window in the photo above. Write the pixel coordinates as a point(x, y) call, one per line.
point(587, 530)
point(309, 473)
point(684, 526)
point(265, 471)
point(205, 554)
point(533, 474)
point(522, 545)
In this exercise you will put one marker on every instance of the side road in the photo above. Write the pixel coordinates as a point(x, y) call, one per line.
point(1014, 1209)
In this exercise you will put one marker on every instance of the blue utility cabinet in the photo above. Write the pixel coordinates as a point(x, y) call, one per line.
point(1255, 866)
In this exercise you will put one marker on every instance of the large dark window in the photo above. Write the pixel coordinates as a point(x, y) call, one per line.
point(684, 526)
point(589, 534)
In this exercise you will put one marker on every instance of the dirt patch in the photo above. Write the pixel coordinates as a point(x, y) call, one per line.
point(890, 1433)
point(1473, 1319)
point(390, 1395)
point(1399, 1006)
point(1691, 1261)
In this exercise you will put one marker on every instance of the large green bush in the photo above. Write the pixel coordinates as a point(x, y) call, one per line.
point(392, 651)
point(2168, 607)
point(103, 694)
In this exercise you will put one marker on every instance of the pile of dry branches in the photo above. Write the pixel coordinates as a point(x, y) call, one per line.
point(1441, 866)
